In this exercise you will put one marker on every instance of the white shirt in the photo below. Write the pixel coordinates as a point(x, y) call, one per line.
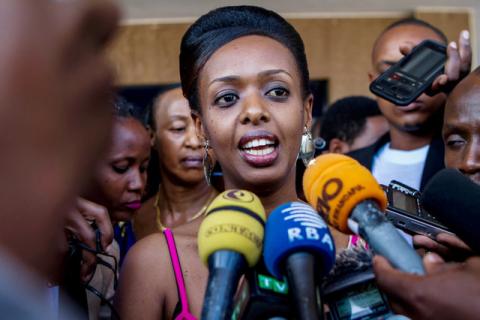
point(403, 166)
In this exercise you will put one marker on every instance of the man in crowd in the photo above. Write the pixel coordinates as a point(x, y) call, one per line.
point(55, 89)
point(448, 291)
point(352, 123)
point(412, 151)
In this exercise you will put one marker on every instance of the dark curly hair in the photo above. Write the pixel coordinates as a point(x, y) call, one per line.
point(125, 109)
point(345, 119)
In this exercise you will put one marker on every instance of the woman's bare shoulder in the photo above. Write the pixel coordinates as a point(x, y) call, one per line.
point(150, 247)
point(146, 258)
point(146, 279)
point(151, 253)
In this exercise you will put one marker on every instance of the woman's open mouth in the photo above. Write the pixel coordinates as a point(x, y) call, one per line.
point(259, 148)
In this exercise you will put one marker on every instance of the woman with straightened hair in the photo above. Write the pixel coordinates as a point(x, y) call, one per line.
point(244, 72)
point(180, 194)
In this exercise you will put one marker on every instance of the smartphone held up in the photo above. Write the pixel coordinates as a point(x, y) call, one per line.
point(406, 80)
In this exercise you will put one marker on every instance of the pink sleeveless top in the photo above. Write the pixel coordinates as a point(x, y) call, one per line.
point(177, 270)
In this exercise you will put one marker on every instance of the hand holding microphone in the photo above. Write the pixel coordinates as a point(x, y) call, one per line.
point(229, 241)
point(448, 291)
point(298, 244)
point(351, 200)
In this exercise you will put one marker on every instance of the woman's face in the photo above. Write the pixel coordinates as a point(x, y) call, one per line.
point(253, 112)
point(122, 177)
point(179, 148)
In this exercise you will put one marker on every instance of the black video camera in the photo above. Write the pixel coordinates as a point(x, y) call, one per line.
point(350, 291)
point(261, 296)
point(405, 211)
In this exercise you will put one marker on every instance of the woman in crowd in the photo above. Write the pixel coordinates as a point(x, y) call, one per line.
point(183, 193)
point(118, 186)
point(245, 74)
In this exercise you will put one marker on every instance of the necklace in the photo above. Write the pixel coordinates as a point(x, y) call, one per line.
point(200, 213)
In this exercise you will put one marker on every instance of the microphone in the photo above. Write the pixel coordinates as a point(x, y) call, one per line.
point(230, 240)
point(351, 200)
point(299, 244)
point(262, 296)
point(455, 200)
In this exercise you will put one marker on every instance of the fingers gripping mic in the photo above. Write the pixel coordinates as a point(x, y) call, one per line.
point(229, 240)
point(298, 244)
point(351, 200)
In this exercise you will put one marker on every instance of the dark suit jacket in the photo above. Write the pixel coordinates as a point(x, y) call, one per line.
point(433, 163)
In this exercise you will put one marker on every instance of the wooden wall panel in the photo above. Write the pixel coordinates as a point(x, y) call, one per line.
point(338, 49)
point(147, 54)
point(451, 23)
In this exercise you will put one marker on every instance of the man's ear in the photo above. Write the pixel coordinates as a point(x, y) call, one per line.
point(338, 146)
point(199, 129)
point(152, 135)
point(307, 110)
point(372, 76)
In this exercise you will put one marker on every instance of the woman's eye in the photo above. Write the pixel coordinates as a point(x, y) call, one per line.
point(226, 100)
point(120, 168)
point(177, 129)
point(278, 93)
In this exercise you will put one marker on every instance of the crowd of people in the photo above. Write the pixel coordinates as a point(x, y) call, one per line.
point(78, 159)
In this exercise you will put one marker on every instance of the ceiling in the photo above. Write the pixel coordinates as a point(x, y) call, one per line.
point(188, 9)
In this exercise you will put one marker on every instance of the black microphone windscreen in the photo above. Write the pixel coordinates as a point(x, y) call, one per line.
point(455, 200)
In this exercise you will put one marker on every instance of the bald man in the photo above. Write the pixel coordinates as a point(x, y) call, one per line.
point(448, 291)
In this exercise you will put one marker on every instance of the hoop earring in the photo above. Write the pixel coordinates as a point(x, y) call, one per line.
point(207, 164)
point(307, 147)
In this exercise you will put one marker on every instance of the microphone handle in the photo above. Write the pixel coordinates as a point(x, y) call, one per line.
point(384, 238)
point(300, 267)
point(225, 269)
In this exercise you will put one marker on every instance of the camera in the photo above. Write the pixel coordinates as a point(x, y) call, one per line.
point(404, 210)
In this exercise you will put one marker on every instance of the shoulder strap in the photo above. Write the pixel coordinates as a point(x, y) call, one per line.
point(177, 270)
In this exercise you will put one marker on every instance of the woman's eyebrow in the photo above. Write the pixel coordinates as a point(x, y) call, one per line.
point(225, 79)
point(272, 72)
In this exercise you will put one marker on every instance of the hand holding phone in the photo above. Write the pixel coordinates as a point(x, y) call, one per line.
point(406, 80)
point(456, 67)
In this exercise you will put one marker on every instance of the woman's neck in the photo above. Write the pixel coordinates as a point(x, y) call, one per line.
point(180, 203)
point(277, 198)
point(272, 197)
